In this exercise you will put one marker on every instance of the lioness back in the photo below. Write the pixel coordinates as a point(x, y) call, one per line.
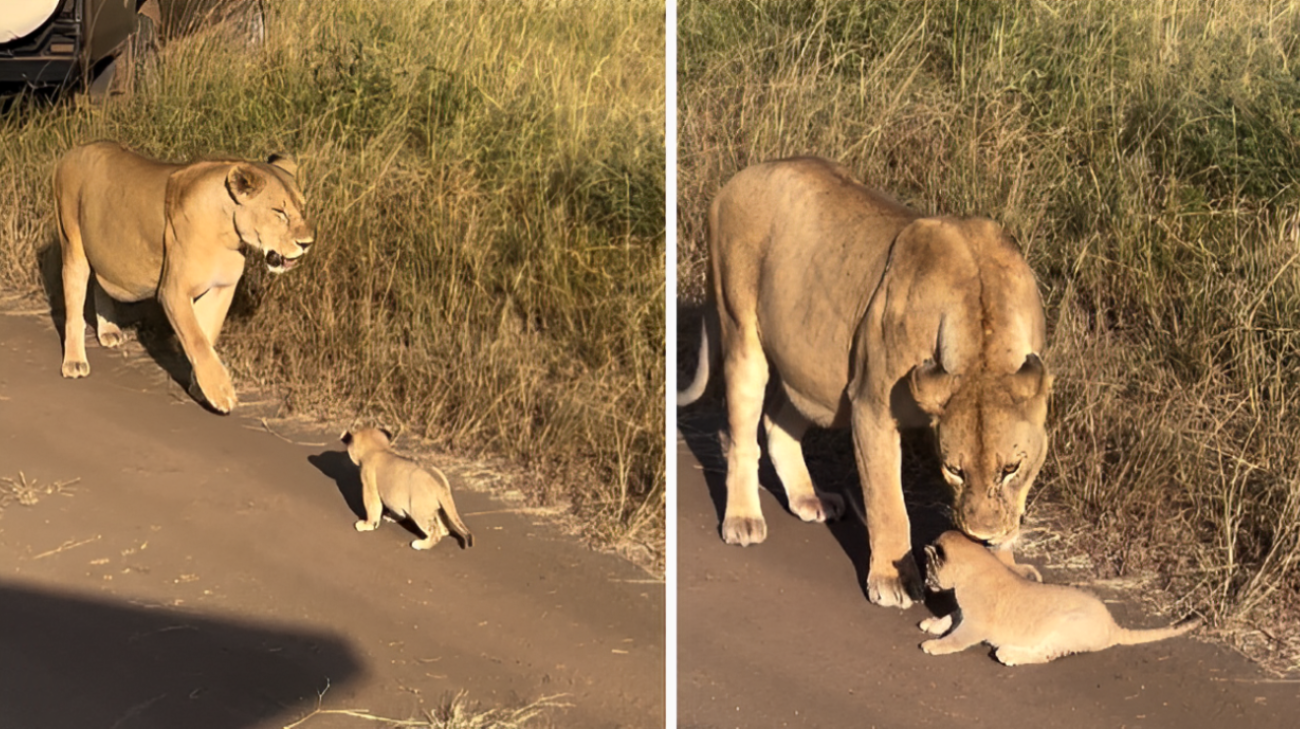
point(800, 235)
point(116, 198)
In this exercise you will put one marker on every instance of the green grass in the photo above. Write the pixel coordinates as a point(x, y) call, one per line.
point(487, 183)
point(1145, 156)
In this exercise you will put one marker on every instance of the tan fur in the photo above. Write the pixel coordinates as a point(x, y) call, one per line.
point(872, 317)
point(1026, 622)
point(147, 228)
point(400, 485)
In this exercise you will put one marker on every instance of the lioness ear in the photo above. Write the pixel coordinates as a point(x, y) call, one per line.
point(931, 386)
point(244, 183)
point(284, 162)
point(1030, 380)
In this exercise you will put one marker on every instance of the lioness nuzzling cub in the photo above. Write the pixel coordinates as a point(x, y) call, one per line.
point(396, 482)
point(837, 306)
point(1026, 622)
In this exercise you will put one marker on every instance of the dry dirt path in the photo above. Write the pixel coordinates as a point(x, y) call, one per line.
point(781, 635)
point(204, 572)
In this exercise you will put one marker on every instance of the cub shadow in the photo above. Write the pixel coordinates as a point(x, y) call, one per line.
point(337, 465)
point(831, 463)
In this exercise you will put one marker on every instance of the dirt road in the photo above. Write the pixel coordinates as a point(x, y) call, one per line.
point(202, 571)
point(781, 635)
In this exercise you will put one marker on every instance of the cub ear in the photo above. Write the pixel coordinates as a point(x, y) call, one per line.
point(244, 183)
point(284, 162)
point(1030, 380)
point(346, 438)
point(931, 386)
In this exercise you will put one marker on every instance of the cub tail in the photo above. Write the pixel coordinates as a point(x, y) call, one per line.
point(1142, 636)
point(449, 509)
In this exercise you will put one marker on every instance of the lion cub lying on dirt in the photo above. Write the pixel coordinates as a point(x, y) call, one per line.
point(395, 482)
point(1026, 622)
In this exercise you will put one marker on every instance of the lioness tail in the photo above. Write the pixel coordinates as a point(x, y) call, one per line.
point(707, 357)
point(1142, 636)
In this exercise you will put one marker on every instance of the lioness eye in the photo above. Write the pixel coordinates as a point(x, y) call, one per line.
point(954, 471)
point(1010, 469)
point(282, 215)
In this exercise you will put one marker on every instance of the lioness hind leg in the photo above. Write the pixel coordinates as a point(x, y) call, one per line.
point(435, 534)
point(107, 329)
point(745, 367)
point(785, 430)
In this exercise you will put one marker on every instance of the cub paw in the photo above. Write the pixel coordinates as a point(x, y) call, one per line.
point(75, 368)
point(936, 624)
point(744, 530)
point(363, 526)
point(1027, 571)
point(898, 584)
point(936, 647)
point(817, 507)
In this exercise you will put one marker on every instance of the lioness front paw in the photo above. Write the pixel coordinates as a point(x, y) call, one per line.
point(817, 507)
point(897, 584)
point(744, 530)
point(363, 526)
point(215, 387)
point(75, 368)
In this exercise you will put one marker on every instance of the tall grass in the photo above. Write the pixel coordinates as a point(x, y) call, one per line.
point(487, 184)
point(1145, 156)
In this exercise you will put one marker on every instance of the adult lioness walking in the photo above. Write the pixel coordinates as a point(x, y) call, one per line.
point(147, 228)
point(873, 317)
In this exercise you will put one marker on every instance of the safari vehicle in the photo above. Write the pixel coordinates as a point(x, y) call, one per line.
point(53, 44)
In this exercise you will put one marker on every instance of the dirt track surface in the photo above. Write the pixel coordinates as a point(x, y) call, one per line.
point(781, 635)
point(205, 572)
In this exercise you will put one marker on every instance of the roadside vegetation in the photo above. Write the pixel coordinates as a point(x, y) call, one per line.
point(1146, 157)
point(487, 183)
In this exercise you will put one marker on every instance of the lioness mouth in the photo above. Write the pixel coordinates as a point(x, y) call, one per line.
point(275, 260)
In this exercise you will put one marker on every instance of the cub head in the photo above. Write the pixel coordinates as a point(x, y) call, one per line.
point(365, 441)
point(269, 211)
point(946, 558)
point(992, 440)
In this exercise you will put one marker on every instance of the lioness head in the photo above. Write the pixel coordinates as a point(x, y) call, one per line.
point(991, 439)
point(269, 213)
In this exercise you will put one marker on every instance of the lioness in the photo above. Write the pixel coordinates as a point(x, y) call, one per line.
point(1026, 622)
point(147, 228)
point(399, 484)
point(871, 316)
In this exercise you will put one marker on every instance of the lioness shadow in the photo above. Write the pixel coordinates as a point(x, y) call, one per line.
point(830, 459)
point(146, 319)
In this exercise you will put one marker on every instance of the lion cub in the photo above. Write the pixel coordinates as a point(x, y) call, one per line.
point(396, 482)
point(1026, 622)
